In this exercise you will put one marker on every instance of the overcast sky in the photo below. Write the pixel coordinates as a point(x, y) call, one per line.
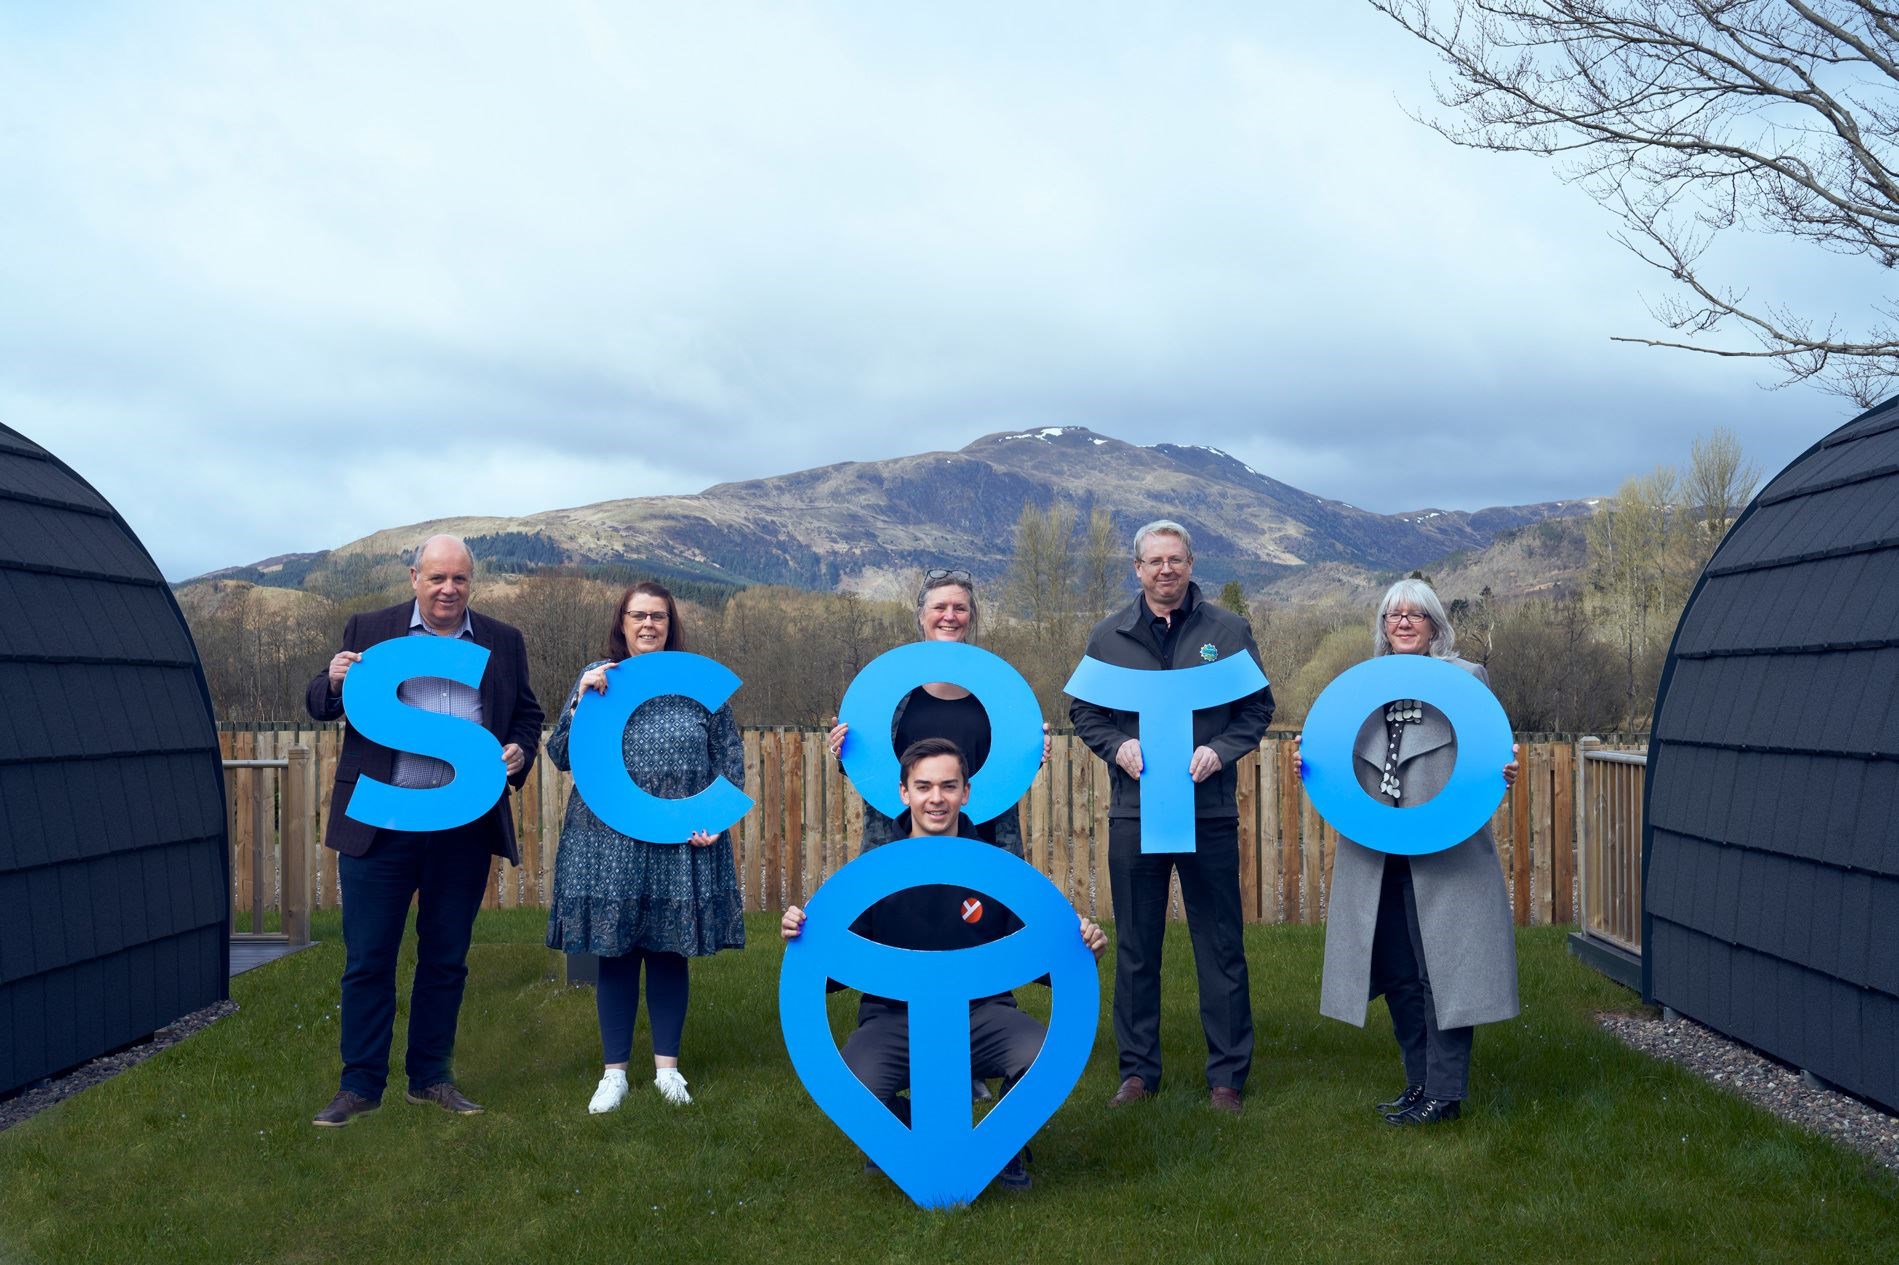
point(273, 277)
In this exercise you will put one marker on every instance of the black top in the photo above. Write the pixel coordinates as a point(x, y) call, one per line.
point(962, 720)
point(936, 918)
point(1164, 630)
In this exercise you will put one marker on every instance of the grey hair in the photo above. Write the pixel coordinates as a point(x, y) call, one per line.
point(457, 541)
point(967, 586)
point(1163, 527)
point(1417, 595)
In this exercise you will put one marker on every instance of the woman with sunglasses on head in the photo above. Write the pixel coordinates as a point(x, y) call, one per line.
point(946, 611)
point(636, 903)
point(1431, 933)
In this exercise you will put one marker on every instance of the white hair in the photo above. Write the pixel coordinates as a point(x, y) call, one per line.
point(1163, 527)
point(1417, 596)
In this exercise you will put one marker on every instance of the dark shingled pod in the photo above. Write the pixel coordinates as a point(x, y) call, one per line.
point(114, 858)
point(1769, 858)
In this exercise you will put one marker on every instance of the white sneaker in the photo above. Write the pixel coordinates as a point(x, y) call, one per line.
point(612, 1091)
point(672, 1086)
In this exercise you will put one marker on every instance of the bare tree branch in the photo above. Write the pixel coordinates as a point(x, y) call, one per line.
point(1690, 118)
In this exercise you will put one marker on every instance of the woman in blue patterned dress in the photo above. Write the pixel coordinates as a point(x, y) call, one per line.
point(633, 902)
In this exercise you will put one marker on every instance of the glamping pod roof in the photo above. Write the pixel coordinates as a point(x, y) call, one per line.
point(114, 866)
point(1770, 858)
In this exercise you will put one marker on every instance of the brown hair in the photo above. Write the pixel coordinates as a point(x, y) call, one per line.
point(922, 749)
point(616, 634)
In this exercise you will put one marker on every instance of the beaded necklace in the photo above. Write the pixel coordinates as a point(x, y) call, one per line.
point(1405, 711)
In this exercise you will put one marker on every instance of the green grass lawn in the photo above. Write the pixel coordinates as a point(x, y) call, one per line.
point(1575, 1148)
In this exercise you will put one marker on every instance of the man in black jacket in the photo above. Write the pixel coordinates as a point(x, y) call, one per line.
point(1003, 1041)
point(444, 871)
point(1168, 627)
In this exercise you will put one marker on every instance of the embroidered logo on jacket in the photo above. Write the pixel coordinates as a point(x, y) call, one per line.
point(972, 909)
point(1209, 652)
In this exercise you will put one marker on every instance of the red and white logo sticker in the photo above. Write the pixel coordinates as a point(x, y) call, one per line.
point(972, 909)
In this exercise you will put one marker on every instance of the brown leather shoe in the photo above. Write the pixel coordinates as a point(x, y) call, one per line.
point(444, 1095)
point(1225, 1098)
point(345, 1107)
point(1133, 1089)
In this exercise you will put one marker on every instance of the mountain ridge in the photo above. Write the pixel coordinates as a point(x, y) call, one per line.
point(869, 526)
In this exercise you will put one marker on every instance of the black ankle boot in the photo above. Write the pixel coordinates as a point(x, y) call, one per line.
point(1403, 1102)
point(1427, 1111)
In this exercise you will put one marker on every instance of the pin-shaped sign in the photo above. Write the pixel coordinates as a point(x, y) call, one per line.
point(375, 712)
point(941, 1159)
point(595, 749)
point(1166, 702)
point(1015, 723)
point(1448, 818)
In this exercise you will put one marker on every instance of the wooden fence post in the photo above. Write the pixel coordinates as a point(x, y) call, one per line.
point(295, 846)
point(1586, 871)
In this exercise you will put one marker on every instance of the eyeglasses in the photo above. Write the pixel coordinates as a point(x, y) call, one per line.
point(957, 574)
point(646, 617)
point(1395, 618)
point(1175, 561)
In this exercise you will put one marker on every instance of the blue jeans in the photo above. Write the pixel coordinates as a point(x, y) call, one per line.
point(445, 872)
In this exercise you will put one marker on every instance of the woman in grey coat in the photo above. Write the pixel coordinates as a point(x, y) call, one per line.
point(1431, 933)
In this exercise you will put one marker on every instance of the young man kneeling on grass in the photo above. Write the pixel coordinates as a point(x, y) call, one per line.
point(937, 917)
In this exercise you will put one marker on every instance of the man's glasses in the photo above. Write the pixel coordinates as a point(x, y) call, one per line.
point(957, 574)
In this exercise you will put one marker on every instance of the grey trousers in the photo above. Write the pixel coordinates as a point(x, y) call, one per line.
point(1436, 1058)
point(1002, 1043)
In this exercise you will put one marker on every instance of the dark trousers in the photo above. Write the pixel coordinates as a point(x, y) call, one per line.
point(1436, 1058)
point(617, 1001)
point(1002, 1043)
point(445, 872)
point(1210, 888)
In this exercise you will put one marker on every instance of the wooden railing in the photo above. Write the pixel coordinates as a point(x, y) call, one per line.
point(271, 859)
point(1609, 804)
point(807, 822)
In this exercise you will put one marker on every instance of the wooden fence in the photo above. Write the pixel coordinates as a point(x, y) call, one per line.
point(1611, 856)
point(807, 821)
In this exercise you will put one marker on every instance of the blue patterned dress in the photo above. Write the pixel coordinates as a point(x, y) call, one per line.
point(613, 894)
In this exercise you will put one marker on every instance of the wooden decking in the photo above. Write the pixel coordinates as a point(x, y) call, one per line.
point(247, 953)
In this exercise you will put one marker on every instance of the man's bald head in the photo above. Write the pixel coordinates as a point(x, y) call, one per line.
point(442, 576)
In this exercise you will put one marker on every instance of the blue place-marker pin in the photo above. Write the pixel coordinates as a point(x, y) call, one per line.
point(941, 1159)
point(1448, 818)
point(1015, 723)
point(1166, 702)
point(374, 711)
point(594, 749)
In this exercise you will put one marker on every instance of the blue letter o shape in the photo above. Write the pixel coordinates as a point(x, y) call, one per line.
point(1455, 813)
point(1015, 723)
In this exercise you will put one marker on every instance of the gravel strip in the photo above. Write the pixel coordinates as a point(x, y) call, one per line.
point(104, 1068)
point(1762, 1081)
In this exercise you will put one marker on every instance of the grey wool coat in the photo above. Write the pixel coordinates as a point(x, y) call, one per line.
point(1463, 909)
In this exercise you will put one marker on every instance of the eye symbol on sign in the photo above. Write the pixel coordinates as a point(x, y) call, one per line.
point(972, 909)
point(942, 1158)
